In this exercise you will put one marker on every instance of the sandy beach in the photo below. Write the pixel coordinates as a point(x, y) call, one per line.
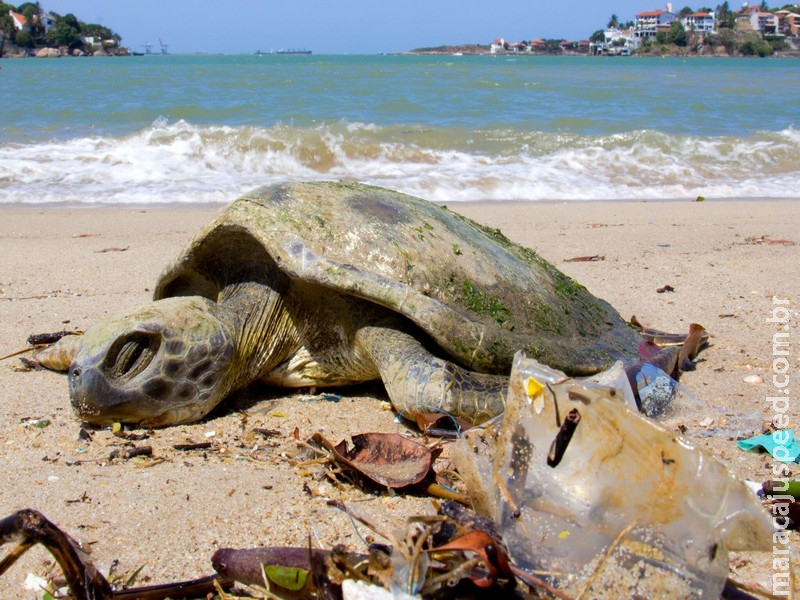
point(66, 268)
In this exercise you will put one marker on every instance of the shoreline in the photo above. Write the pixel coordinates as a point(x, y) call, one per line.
point(48, 206)
point(67, 267)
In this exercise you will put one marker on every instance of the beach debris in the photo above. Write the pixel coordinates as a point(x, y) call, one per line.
point(781, 444)
point(592, 258)
point(37, 339)
point(665, 288)
point(360, 264)
point(764, 240)
point(39, 343)
point(436, 554)
point(700, 199)
point(128, 452)
point(662, 359)
point(295, 572)
point(28, 527)
point(441, 424)
point(112, 249)
point(387, 459)
point(452, 552)
point(786, 487)
point(782, 498)
point(194, 446)
point(753, 379)
point(578, 519)
point(663, 338)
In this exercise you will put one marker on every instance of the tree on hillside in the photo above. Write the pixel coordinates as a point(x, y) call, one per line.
point(72, 21)
point(6, 22)
point(685, 11)
point(63, 34)
point(99, 31)
point(726, 19)
point(677, 34)
point(613, 22)
point(755, 46)
point(598, 36)
point(23, 39)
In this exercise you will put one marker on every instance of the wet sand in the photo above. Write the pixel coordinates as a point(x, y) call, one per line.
point(65, 268)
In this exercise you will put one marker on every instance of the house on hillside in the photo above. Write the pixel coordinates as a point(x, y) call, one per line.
point(616, 42)
point(700, 22)
point(649, 23)
point(49, 21)
point(20, 21)
point(789, 22)
point(753, 18)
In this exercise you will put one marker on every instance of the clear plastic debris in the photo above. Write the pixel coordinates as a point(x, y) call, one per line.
point(597, 499)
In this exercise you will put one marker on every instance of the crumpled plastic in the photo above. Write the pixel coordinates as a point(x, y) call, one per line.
point(785, 449)
point(624, 508)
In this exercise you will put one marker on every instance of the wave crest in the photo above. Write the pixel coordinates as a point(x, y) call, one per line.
point(181, 162)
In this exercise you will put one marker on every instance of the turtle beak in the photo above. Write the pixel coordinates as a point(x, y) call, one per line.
point(103, 383)
point(163, 364)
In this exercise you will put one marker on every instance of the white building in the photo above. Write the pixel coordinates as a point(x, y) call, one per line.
point(700, 22)
point(649, 23)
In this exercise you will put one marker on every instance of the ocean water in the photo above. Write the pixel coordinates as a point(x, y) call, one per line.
point(175, 129)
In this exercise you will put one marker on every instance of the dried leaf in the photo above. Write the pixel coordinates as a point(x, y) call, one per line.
point(592, 258)
point(388, 459)
point(483, 545)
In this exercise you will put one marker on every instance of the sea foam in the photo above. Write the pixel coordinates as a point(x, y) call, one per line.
point(180, 162)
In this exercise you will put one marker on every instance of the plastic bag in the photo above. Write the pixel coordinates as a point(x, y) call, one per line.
point(613, 503)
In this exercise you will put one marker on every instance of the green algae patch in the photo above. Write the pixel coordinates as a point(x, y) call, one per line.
point(483, 304)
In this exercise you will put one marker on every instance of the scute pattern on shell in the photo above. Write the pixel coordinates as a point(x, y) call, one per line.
point(479, 296)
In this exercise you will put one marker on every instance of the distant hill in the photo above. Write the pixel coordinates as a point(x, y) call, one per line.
point(27, 29)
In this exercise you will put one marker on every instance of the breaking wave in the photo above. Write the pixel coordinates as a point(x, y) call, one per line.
point(179, 162)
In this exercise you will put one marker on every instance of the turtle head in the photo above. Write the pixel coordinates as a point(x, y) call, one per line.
point(167, 363)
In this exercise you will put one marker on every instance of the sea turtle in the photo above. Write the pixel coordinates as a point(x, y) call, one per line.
point(328, 284)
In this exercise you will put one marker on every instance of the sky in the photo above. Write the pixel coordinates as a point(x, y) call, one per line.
point(343, 26)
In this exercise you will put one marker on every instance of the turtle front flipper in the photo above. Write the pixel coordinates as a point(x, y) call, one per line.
point(418, 381)
point(58, 356)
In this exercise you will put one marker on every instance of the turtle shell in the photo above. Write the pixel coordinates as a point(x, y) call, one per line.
point(479, 296)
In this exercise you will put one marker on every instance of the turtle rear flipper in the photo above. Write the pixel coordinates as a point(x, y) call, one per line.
point(418, 381)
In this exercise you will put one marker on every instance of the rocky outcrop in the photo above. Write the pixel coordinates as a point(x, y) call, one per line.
point(48, 53)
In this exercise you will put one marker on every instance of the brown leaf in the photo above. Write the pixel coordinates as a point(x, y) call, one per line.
point(666, 288)
point(482, 544)
point(388, 459)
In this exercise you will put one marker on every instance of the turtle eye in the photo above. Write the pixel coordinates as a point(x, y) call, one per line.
point(130, 354)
